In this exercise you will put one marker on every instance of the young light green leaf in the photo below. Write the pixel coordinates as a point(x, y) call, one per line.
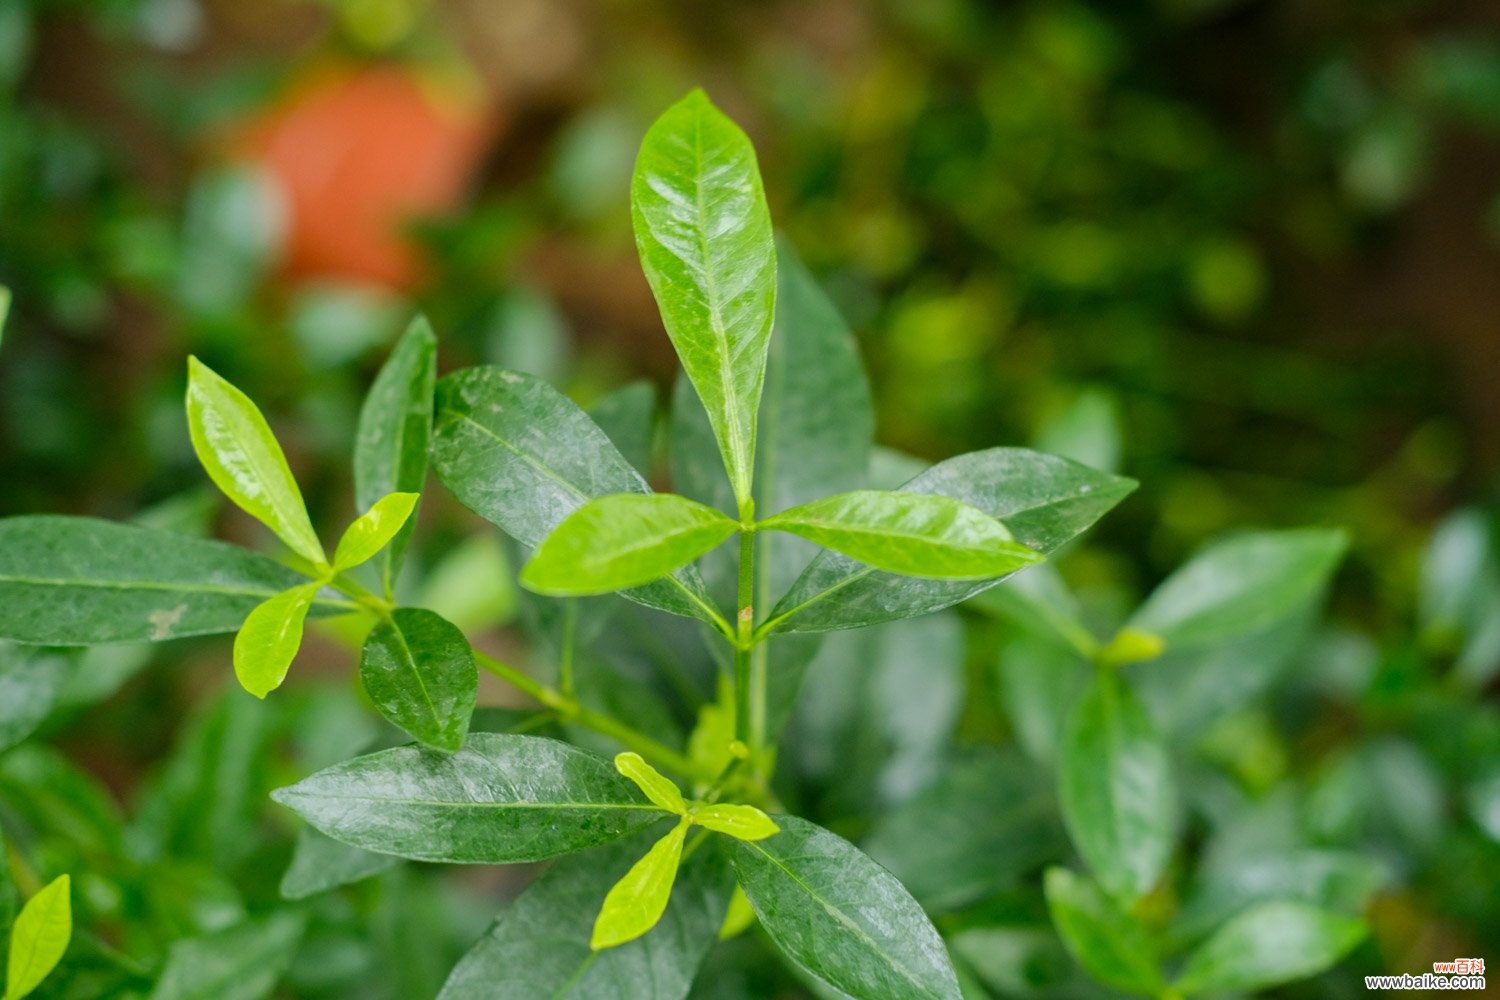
point(501, 798)
point(268, 641)
point(636, 902)
point(521, 455)
point(1116, 789)
point(1043, 500)
point(241, 456)
point(622, 541)
point(539, 945)
point(1241, 586)
point(915, 534)
point(31, 683)
point(1267, 945)
point(242, 962)
point(657, 787)
point(739, 821)
point(79, 581)
point(704, 236)
point(419, 671)
point(373, 530)
point(39, 938)
point(842, 917)
point(395, 426)
point(1112, 945)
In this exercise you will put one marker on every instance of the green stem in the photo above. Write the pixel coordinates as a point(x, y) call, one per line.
point(744, 711)
point(370, 601)
point(565, 661)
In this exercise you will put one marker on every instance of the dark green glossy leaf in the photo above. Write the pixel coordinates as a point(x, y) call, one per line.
point(31, 681)
point(704, 236)
point(1241, 586)
point(842, 917)
point(501, 798)
point(419, 671)
point(521, 455)
point(1270, 944)
point(916, 534)
point(539, 946)
point(1116, 788)
point(1112, 945)
point(78, 581)
point(244, 962)
point(395, 425)
point(320, 863)
point(623, 540)
point(1044, 501)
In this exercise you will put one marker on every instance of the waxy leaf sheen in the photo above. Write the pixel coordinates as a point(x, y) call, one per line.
point(268, 641)
point(419, 672)
point(373, 530)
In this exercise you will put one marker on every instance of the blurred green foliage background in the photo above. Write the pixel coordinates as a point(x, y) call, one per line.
point(1246, 252)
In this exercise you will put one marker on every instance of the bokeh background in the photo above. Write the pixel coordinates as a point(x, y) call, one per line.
point(1247, 252)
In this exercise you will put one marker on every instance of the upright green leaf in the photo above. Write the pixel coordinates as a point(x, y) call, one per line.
point(636, 902)
point(704, 236)
point(652, 783)
point(501, 798)
point(78, 581)
point(268, 641)
point(1115, 784)
point(241, 456)
point(31, 681)
point(395, 425)
point(915, 534)
point(38, 938)
point(621, 541)
point(1112, 945)
point(1270, 944)
point(1043, 500)
point(242, 962)
point(842, 917)
point(419, 671)
point(1241, 585)
point(539, 947)
point(373, 529)
point(521, 455)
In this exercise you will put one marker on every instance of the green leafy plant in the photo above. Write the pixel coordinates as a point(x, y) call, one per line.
point(778, 536)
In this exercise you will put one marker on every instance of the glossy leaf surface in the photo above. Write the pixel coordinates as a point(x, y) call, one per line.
point(268, 641)
point(374, 529)
point(1044, 501)
point(915, 534)
point(501, 798)
point(652, 783)
point(243, 458)
point(842, 917)
point(419, 671)
point(39, 937)
point(1112, 945)
point(79, 581)
point(1267, 945)
point(622, 541)
point(704, 236)
point(636, 902)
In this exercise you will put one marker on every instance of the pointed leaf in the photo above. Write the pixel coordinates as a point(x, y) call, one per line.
point(916, 534)
point(739, 821)
point(1112, 945)
point(242, 962)
point(242, 457)
point(1116, 788)
point(704, 236)
point(395, 426)
point(842, 917)
point(373, 530)
point(622, 541)
point(268, 641)
point(539, 946)
point(636, 902)
point(521, 455)
point(501, 798)
point(39, 937)
point(1044, 501)
point(658, 788)
point(1270, 944)
point(419, 671)
point(79, 581)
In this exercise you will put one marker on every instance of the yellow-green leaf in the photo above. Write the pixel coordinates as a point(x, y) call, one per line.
point(639, 899)
point(241, 456)
point(4, 308)
point(269, 639)
point(39, 938)
point(659, 789)
point(739, 821)
point(373, 529)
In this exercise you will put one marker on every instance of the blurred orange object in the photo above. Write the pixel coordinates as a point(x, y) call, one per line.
point(357, 153)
